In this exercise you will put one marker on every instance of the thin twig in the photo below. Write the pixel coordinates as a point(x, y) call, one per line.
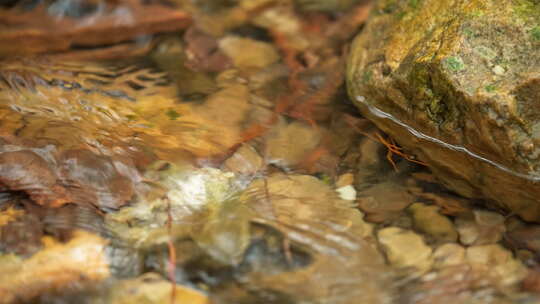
point(172, 254)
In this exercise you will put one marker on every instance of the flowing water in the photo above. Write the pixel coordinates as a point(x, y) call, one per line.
point(239, 178)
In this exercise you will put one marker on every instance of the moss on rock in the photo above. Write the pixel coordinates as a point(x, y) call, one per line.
point(464, 75)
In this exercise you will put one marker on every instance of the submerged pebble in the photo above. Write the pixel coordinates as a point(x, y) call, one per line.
point(151, 288)
point(428, 220)
point(495, 264)
point(406, 249)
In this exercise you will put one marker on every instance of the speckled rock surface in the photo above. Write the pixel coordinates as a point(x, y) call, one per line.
point(457, 83)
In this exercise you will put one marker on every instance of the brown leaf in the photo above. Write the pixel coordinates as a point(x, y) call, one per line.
point(94, 179)
point(126, 20)
point(26, 171)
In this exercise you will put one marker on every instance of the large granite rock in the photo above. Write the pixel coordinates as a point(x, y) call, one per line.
point(458, 84)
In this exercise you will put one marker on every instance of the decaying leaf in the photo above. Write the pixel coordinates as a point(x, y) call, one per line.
point(29, 172)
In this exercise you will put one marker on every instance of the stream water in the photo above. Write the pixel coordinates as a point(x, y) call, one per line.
point(203, 165)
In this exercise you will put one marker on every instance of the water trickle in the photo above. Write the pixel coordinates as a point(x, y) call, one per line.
point(379, 113)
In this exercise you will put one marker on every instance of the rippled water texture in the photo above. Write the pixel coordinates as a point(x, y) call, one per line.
point(90, 135)
point(209, 154)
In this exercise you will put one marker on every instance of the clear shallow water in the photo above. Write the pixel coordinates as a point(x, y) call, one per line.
point(78, 136)
point(255, 183)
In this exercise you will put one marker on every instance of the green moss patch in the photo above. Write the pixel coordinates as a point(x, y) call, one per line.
point(535, 33)
point(172, 114)
point(454, 64)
